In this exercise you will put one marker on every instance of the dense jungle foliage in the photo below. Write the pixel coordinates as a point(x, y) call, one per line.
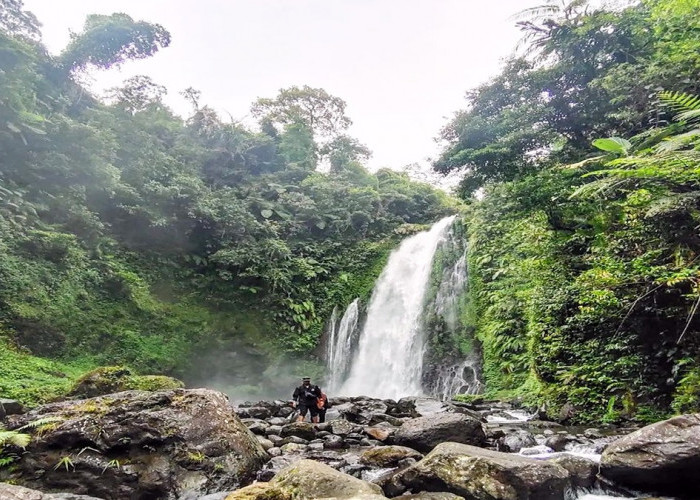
point(582, 171)
point(131, 236)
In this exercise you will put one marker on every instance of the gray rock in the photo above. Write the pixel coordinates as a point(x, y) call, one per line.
point(166, 442)
point(274, 452)
point(310, 479)
point(582, 471)
point(12, 492)
point(556, 442)
point(341, 427)
point(479, 474)
point(276, 440)
point(265, 443)
point(295, 440)
point(424, 433)
point(10, 407)
point(303, 430)
point(515, 440)
point(388, 456)
point(274, 430)
point(663, 457)
point(333, 442)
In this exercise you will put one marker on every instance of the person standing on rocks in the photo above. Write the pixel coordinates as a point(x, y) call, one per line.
point(305, 397)
point(322, 404)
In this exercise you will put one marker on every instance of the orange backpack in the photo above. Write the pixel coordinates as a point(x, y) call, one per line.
point(321, 402)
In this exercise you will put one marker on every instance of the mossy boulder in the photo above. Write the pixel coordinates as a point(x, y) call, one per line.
point(479, 474)
point(306, 480)
point(110, 379)
point(138, 444)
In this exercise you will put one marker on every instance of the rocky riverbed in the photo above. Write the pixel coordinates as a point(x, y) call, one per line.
point(193, 444)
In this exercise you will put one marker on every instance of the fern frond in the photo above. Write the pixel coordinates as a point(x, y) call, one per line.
point(14, 438)
point(680, 141)
point(680, 101)
point(37, 424)
point(689, 116)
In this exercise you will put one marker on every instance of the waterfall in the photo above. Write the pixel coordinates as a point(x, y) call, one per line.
point(340, 344)
point(389, 358)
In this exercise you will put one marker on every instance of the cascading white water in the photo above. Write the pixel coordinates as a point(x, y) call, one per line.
point(389, 359)
point(339, 348)
point(460, 378)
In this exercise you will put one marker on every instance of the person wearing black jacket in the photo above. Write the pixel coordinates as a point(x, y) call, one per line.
point(305, 397)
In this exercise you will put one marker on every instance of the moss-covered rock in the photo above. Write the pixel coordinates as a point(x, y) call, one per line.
point(109, 379)
point(137, 444)
point(480, 474)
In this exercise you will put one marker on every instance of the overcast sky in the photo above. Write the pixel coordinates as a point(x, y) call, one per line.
point(402, 66)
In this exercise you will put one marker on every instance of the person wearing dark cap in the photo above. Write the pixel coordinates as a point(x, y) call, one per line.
point(305, 397)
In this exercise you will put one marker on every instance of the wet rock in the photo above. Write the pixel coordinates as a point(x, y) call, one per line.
point(556, 442)
point(424, 433)
point(316, 446)
point(316, 480)
point(663, 457)
point(515, 440)
point(388, 456)
point(479, 474)
point(277, 421)
point(303, 430)
point(582, 471)
point(139, 444)
point(379, 433)
point(274, 452)
point(539, 449)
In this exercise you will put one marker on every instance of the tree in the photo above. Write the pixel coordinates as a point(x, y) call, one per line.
point(108, 41)
point(16, 21)
point(137, 93)
point(321, 112)
point(343, 150)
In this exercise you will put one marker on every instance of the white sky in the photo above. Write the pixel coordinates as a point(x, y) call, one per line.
point(402, 66)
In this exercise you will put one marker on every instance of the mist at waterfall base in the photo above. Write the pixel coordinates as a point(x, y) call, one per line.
point(385, 357)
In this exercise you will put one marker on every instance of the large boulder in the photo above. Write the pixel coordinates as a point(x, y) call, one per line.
point(138, 444)
point(388, 456)
point(12, 492)
point(479, 474)
point(662, 457)
point(306, 480)
point(425, 433)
